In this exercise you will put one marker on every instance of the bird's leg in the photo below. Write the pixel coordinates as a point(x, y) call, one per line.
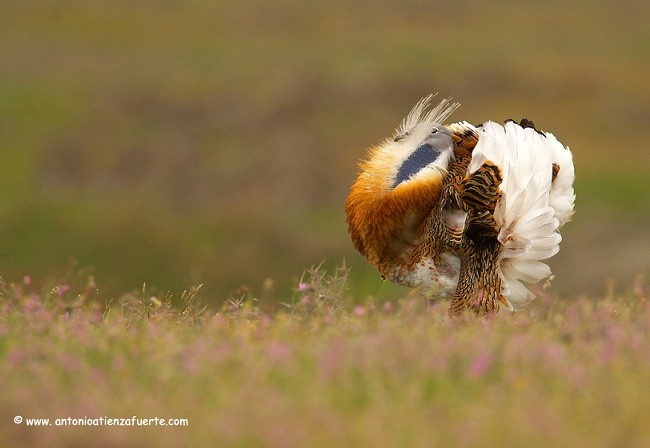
point(487, 297)
point(466, 284)
point(479, 283)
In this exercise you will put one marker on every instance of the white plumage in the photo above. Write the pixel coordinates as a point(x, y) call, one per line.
point(533, 205)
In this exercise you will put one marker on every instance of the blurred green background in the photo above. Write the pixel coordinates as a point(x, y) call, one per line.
point(185, 142)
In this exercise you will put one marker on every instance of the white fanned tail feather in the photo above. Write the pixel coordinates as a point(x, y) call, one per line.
point(533, 207)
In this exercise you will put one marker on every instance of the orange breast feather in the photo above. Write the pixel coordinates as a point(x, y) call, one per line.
point(386, 222)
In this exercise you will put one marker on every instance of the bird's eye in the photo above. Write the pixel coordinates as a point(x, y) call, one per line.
point(400, 137)
point(434, 131)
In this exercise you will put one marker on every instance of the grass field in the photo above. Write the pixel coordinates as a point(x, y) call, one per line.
point(213, 143)
point(323, 372)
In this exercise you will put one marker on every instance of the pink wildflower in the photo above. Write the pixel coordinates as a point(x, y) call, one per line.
point(190, 364)
point(61, 290)
point(359, 311)
point(32, 304)
point(16, 357)
point(278, 351)
point(479, 365)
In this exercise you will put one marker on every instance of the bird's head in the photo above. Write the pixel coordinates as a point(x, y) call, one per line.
point(399, 184)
